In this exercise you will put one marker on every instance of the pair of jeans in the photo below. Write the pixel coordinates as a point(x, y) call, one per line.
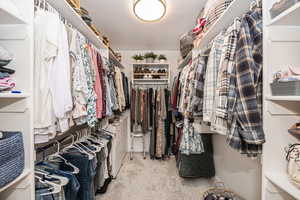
point(71, 189)
point(40, 189)
point(87, 172)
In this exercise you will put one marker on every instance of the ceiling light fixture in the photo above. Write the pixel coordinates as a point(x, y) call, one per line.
point(149, 10)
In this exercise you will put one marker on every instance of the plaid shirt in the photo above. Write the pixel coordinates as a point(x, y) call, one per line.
point(210, 83)
point(226, 64)
point(196, 98)
point(245, 90)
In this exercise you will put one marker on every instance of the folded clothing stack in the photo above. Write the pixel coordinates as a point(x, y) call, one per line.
point(6, 83)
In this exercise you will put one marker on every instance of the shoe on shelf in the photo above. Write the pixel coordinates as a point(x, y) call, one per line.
point(295, 129)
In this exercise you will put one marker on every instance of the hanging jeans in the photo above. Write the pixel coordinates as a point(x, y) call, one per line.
point(86, 174)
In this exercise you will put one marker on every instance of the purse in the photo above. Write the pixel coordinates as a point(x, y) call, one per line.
point(293, 167)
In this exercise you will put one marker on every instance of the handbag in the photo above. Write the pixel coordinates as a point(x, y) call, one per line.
point(293, 166)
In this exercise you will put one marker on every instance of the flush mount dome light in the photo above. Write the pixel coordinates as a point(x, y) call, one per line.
point(149, 10)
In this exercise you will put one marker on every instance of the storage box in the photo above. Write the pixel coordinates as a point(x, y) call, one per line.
point(291, 88)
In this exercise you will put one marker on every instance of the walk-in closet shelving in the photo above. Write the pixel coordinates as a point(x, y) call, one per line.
point(74, 18)
point(16, 35)
point(163, 77)
point(236, 9)
point(281, 50)
point(290, 17)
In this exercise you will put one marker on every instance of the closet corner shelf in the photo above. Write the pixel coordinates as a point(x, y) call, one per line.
point(236, 9)
point(6, 17)
point(288, 17)
point(283, 98)
point(74, 18)
point(24, 174)
point(282, 181)
point(13, 96)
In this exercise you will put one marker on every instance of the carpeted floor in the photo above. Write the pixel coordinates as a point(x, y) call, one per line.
point(141, 179)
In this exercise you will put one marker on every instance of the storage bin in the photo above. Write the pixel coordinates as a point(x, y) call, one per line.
point(11, 157)
point(281, 6)
point(291, 88)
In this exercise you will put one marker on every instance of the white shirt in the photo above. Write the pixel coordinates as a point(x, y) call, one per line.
point(46, 46)
point(60, 76)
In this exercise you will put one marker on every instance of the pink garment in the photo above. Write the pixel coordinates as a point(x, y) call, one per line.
point(97, 84)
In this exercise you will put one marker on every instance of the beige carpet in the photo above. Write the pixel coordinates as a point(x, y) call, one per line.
point(141, 179)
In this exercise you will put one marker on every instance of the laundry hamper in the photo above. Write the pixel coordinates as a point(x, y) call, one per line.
point(11, 157)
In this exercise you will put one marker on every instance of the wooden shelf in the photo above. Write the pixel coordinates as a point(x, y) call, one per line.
point(25, 173)
point(151, 64)
point(6, 17)
point(236, 9)
point(160, 74)
point(289, 17)
point(283, 98)
point(13, 96)
point(153, 79)
point(282, 181)
point(74, 18)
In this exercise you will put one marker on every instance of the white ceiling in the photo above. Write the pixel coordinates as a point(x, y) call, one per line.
point(115, 19)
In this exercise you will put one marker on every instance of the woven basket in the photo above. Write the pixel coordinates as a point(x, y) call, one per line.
point(11, 157)
point(219, 190)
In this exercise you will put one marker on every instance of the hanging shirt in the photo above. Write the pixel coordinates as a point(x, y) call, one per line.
point(47, 29)
point(79, 83)
point(245, 89)
point(60, 84)
point(120, 89)
point(211, 75)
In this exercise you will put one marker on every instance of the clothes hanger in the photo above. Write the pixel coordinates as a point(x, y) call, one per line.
point(90, 155)
point(54, 189)
point(57, 155)
point(62, 180)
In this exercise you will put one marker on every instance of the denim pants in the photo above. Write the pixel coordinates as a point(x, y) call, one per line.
point(72, 188)
point(42, 189)
point(86, 174)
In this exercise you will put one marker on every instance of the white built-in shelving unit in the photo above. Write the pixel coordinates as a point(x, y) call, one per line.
point(281, 50)
point(16, 35)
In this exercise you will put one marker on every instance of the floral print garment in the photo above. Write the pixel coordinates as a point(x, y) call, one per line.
point(91, 97)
